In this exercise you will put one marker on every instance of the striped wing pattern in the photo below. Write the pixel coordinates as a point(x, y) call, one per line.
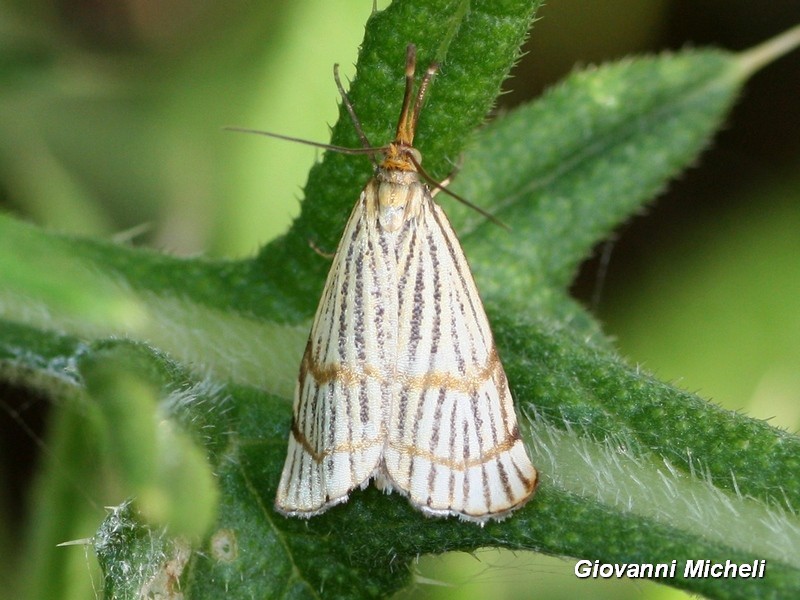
point(400, 378)
point(344, 386)
point(453, 442)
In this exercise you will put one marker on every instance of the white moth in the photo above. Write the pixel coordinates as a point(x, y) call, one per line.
point(401, 381)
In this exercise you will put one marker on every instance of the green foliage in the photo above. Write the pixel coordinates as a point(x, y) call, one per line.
point(633, 470)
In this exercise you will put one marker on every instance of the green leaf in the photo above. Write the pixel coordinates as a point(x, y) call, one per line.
point(168, 474)
point(122, 541)
point(633, 470)
point(594, 150)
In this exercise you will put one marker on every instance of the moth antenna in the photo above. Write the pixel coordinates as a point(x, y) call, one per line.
point(331, 147)
point(353, 117)
point(430, 180)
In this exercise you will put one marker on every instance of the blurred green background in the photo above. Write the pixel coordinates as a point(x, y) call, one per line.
point(111, 117)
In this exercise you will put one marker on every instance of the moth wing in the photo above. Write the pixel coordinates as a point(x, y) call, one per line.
point(338, 432)
point(453, 441)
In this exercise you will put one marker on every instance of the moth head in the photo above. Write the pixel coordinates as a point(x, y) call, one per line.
point(401, 157)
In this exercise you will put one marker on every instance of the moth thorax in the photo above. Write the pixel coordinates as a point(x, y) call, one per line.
point(399, 195)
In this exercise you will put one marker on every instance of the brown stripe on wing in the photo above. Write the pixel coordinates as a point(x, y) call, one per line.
point(467, 383)
point(318, 457)
point(458, 464)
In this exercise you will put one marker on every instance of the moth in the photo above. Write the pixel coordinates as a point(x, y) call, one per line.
point(401, 382)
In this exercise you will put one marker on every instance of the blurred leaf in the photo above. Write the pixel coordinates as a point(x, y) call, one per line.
point(741, 352)
point(101, 134)
point(168, 474)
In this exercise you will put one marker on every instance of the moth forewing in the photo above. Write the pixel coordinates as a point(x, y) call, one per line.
point(453, 441)
point(338, 429)
point(401, 380)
